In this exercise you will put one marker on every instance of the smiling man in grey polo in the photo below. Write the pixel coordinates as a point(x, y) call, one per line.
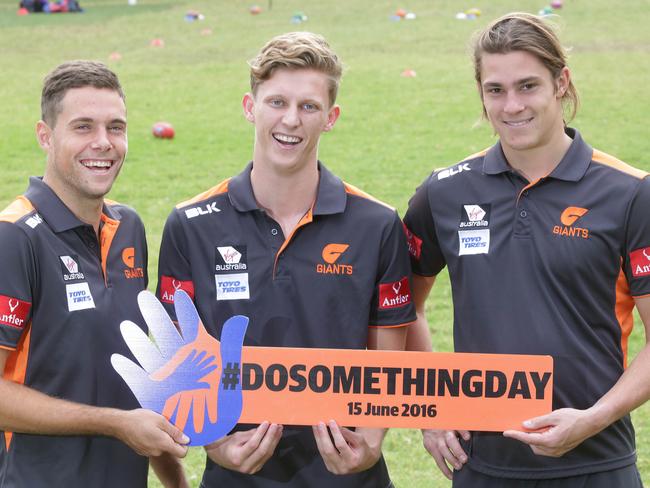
point(71, 266)
point(546, 242)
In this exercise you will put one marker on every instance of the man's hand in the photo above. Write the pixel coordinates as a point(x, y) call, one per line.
point(350, 452)
point(557, 433)
point(246, 451)
point(150, 434)
point(445, 448)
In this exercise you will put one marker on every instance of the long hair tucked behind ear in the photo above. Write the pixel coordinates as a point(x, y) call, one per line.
point(525, 32)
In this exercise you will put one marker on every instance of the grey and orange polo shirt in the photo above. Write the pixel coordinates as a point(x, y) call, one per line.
point(63, 295)
point(344, 268)
point(543, 267)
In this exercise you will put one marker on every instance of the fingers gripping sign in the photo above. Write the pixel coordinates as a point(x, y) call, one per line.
point(445, 448)
point(186, 375)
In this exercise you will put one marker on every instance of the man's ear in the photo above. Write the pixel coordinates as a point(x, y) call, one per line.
point(563, 82)
point(43, 135)
point(248, 104)
point(332, 117)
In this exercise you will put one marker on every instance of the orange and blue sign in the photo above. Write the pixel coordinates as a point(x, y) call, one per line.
point(205, 386)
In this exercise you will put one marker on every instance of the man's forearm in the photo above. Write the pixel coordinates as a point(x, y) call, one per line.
point(23, 409)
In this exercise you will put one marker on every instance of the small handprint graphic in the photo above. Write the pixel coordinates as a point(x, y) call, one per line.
point(185, 374)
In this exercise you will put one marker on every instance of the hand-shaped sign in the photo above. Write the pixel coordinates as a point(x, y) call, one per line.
point(205, 386)
point(180, 374)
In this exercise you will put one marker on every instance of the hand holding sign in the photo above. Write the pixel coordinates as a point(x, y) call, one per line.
point(179, 376)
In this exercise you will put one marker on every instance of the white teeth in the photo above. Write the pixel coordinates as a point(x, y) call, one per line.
point(97, 164)
point(287, 139)
point(517, 123)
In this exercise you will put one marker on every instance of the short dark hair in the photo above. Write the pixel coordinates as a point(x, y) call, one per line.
point(74, 74)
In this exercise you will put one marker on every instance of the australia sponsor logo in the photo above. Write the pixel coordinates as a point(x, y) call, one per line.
point(394, 295)
point(169, 285)
point(207, 209)
point(454, 170)
point(473, 241)
point(14, 312)
point(230, 258)
point(131, 271)
point(640, 262)
point(475, 216)
point(232, 286)
point(79, 296)
point(568, 218)
point(413, 242)
point(34, 220)
point(70, 268)
point(331, 255)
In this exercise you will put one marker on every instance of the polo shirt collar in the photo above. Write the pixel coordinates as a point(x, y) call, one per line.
point(59, 217)
point(331, 197)
point(572, 167)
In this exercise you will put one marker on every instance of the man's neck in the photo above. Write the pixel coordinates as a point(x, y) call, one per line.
point(539, 162)
point(287, 197)
point(89, 211)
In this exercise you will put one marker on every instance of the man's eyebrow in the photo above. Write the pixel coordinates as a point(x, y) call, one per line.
point(118, 120)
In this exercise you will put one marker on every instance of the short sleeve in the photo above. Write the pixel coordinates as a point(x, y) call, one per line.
point(426, 256)
point(174, 269)
point(637, 245)
point(17, 278)
point(392, 301)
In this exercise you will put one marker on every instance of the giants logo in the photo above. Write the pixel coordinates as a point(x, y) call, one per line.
point(331, 253)
point(14, 312)
point(568, 218)
point(394, 295)
point(640, 262)
point(169, 285)
point(414, 243)
point(128, 258)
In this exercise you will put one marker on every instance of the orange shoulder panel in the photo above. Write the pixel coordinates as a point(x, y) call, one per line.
point(353, 190)
point(17, 209)
point(612, 162)
point(215, 190)
point(472, 156)
point(477, 155)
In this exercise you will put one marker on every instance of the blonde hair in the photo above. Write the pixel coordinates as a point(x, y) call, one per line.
point(525, 32)
point(297, 50)
point(74, 74)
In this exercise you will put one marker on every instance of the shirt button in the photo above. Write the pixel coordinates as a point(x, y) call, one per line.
point(523, 214)
point(274, 232)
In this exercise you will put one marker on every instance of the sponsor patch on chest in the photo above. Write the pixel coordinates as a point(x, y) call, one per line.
point(232, 286)
point(230, 258)
point(473, 241)
point(70, 268)
point(79, 296)
point(473, 216)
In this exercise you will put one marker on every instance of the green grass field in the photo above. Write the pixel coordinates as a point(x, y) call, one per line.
point(393, 131)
